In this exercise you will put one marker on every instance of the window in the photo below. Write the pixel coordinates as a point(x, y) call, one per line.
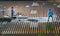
point(33, 11)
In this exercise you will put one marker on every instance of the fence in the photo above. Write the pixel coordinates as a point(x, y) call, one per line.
point(31, 28)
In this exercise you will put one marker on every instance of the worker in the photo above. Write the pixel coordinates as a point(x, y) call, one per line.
point(12, 11)
point(50, 14)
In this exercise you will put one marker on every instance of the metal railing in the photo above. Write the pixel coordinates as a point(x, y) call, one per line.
point(31, 28)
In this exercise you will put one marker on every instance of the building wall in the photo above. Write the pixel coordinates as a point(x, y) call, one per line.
point(19, 6)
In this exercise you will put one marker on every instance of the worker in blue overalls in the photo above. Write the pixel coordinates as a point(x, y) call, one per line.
point(50, 14)
point(12, 11)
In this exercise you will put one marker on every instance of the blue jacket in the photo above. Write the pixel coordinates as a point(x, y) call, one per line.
point(12, 10)
point(50, 12)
